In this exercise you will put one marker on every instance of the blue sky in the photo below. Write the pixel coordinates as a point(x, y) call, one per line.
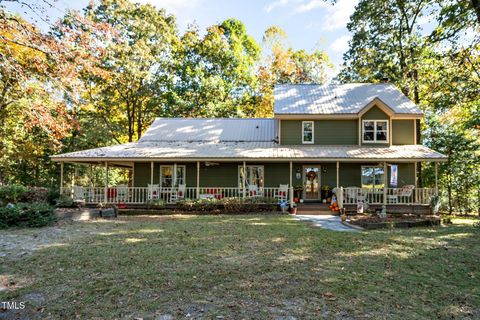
point(309, 24)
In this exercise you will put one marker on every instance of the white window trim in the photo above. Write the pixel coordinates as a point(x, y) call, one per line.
point(174, 174)
point(240, 167)
point(313, 132)
point(375, 132)
point(361, 175)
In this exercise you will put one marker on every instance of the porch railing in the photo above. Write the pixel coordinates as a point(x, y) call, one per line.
point(140, 195)
point(419, 196)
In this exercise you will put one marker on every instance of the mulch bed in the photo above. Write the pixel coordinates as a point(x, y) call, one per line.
point(394, 221)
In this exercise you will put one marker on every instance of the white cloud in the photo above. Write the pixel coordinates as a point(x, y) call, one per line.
point(310, 5)
point(275, 4)
point(338, 15)
point(340, 45)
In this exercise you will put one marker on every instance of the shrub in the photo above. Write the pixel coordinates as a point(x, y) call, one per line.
point(53, 196)
point(228, 205)
point(36, 194)
point(12, 193)
point(199, 205)
point(155, 203)
point(27, 214)
point(64, 201)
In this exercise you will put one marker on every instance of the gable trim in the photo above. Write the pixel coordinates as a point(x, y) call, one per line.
point(378, 103)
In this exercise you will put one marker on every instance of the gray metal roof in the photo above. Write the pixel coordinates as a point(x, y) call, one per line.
point(248, 150)
point(339, 98)
point(198, 129)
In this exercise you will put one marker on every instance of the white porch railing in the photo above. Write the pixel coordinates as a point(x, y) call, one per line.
point(140, 195)
point(417, 196)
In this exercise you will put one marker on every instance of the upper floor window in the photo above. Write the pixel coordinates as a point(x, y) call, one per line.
point(375, 131)
point(307, 132)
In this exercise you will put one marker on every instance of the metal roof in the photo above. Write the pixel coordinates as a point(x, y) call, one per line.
point(200, 129)
point(248, 150)
point(332, 99)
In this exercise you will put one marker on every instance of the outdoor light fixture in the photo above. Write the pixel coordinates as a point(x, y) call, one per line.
point(298, 175)
point(324, 169)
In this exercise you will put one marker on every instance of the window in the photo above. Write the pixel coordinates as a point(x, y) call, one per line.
point(375, 131)
point(307, 131)
point(372, 177)
point(167, 176)
point(255, 176)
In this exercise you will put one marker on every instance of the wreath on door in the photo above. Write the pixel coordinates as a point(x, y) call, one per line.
point(311, 175)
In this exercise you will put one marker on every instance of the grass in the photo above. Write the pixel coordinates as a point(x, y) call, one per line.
point(261, 267)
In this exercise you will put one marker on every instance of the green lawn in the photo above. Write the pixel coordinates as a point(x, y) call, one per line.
point(262, 267)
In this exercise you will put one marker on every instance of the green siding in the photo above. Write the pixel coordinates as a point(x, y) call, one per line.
point(226, 174)
point(276, 174)
point(222, 175)
point(291, 132)
point(403, 132)
point(375, 113)
point(326, 132)
point(350, 174)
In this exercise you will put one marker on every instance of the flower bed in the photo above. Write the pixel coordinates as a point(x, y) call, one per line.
point(394, 221)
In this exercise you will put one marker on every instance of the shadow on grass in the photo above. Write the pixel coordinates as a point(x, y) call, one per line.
point(253, 267)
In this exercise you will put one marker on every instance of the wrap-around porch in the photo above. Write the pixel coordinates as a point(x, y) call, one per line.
point(376, 183)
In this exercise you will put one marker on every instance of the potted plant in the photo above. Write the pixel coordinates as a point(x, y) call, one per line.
point(298, 189)
point(326, 192)
point(293, 209)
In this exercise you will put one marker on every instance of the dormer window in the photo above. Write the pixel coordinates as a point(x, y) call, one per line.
point(307, 132)
point(375, 131)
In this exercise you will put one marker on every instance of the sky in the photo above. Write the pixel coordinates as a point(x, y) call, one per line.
point(309, 24)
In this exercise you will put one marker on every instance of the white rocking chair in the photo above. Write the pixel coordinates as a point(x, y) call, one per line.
point(282, 192)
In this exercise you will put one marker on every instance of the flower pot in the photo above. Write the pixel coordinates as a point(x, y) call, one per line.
point(344, 217)
point(293, 210)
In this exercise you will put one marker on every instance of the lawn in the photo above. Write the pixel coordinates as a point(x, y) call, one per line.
point(234, 267)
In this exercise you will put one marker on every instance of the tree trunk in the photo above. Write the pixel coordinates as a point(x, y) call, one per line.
point(476, 7)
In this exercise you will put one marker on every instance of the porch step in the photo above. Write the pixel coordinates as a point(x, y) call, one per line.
point(313, 209)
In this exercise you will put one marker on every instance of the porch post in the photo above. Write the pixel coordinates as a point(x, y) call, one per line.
point(244, 180)
point(174, 175)
point(290, 189)
point(151, 172)
point(105, 195)
point(436, 179)
point(416, 165)
point(338, 175)
point(198, 179)
point(61, 177)
point(385, 183)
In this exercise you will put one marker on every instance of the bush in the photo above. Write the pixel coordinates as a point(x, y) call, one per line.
point(199, 205)
point(155, 203)
point(228, 205)
point(12, 193)
point(28, 215)
point(53, 196)
point(36, 194)
point(64, 201)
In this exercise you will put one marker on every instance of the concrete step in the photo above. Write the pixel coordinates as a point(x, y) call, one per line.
point(313, 209)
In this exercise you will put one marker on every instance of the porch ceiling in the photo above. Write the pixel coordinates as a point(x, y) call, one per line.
point(247, 151)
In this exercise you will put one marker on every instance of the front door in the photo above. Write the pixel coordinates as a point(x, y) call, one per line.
point(311, 182)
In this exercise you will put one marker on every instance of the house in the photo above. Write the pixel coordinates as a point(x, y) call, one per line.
point(362, 138)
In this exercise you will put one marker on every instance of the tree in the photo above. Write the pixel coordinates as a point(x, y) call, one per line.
point(215, 73)
point(438, 70)
point(285, 65)
point(136, 64)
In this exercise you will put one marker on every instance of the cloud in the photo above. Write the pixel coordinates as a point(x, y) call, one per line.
point(338, 15)
point(340, 45)
point(310, 5)
point(275, 4)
